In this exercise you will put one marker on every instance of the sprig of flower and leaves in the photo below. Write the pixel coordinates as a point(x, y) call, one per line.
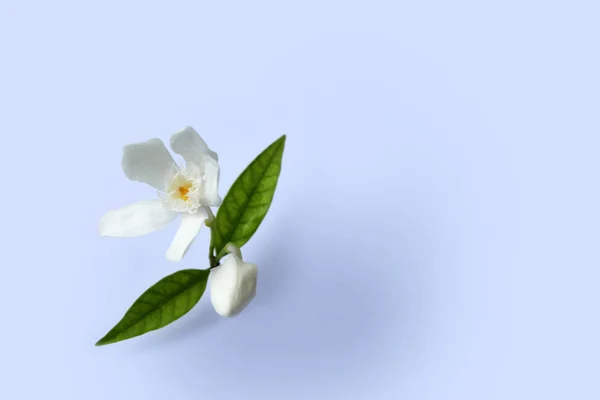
point(190, 192)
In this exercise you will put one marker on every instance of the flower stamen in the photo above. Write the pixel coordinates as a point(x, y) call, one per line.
point(182, 193)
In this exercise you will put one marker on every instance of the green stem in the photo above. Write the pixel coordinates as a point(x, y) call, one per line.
point(211, 248)
point(209, 213)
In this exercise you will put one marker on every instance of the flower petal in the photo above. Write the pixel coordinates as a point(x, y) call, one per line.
point(149, 162)
point(191, 146)
point(232, 285)
point(189, 228)
point(136, 219)
point(210, 188)
point(200, 161)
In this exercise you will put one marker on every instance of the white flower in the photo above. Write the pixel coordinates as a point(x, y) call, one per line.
point(188, 191)
point(232, 285)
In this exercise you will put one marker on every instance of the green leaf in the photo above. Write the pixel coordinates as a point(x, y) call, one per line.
point(167, 300)
point(247, 202)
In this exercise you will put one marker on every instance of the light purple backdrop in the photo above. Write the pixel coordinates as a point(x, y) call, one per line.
point(434, 234)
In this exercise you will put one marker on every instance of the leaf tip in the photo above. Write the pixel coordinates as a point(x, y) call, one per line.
point(104, 341)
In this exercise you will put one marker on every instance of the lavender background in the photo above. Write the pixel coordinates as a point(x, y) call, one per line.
point(435, 230)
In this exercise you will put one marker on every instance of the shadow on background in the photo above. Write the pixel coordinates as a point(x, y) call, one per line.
point(340, 295)
point(325, 310)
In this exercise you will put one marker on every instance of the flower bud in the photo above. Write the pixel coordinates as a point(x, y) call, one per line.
point(232, 285)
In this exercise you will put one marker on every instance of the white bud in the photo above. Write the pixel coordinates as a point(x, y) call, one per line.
point(232, 285)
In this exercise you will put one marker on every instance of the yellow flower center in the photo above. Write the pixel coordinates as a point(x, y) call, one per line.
point(184, 190)
point(183, 193)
